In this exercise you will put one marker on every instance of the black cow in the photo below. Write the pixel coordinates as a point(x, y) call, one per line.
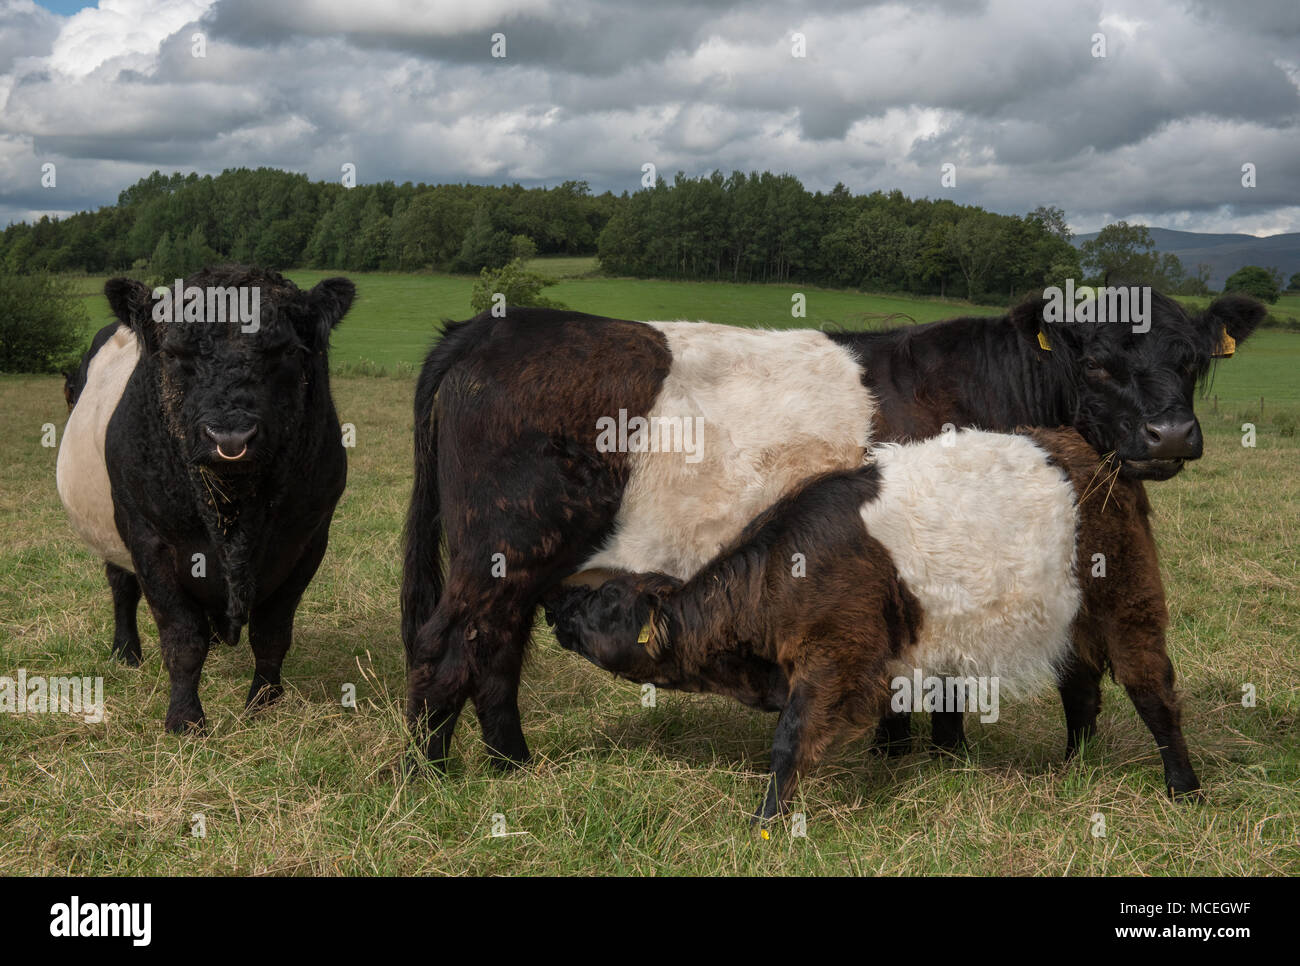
point(203, 461)
point(540, 451)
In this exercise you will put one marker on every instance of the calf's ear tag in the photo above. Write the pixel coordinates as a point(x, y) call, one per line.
point(644, 636)
point(1042, 341)
point(1226, 347)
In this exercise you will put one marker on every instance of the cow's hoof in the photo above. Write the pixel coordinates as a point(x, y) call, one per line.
point(417, 765)
point(263, 695)
point(892, 748)
point(942, 749)
point(131, 658)
point(764, 823)
point(187, 725)
point(505, 765)
point(1187, 796)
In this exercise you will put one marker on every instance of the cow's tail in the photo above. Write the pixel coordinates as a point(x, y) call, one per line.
point(422, 576)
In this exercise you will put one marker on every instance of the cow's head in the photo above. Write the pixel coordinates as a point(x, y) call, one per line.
point(1132, 391)
point(234, 376)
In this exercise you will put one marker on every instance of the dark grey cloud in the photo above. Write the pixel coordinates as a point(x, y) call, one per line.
point(1007, 90)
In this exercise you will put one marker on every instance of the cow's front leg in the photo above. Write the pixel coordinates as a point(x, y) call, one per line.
point(183, 632)
point(270, 637)
point(270, 626)
point(183, 640)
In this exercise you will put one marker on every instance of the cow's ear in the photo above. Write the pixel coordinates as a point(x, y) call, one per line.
point(1029, 323)
point(1030, 319)
point(329, 301)
point(132, 303)
point(655, 633)
point(1238, 315)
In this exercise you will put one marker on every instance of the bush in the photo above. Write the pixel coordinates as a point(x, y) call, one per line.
point(1252, 280)
point(518, 285)
point(42, 324)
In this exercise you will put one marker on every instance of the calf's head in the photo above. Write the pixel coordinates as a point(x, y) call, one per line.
point(614, 625)
point(1131, 376)
point(236, 354)
point(623, 626)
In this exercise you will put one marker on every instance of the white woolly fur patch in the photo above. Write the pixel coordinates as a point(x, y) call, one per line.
point(775, 407)
point(81, 473)
point(982, 529)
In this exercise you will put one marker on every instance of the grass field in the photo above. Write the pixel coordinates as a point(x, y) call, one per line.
point(396, 317)
point(312, 787)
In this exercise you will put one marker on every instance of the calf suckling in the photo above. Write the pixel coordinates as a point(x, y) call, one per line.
point(1021, 558)
point(516, 459)
point(203, 461)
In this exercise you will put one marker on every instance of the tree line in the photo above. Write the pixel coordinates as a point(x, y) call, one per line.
point(758, 227)
point(171, 224)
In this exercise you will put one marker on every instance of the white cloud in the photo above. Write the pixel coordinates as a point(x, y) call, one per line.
point(124, 32)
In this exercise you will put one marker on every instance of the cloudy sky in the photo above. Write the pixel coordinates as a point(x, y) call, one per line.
point(1009, 91)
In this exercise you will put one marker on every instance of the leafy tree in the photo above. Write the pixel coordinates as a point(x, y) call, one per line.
point(522, 248)
point(1197, 283)
point(1121, 252)
point(1294, 284)
point(369, 247)
point(516, 283)
point(483, 246)
point(1052, 221)
point(935, 261)
point(162, 263)
point(41, 323)
point(173, 260)
point(620, 247)
point(1255, 281)
point(976, 243)
point(278, 246)
point(18, 252)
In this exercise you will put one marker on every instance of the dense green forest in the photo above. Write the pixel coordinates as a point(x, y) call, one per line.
point(756, 227)
point(283, 220)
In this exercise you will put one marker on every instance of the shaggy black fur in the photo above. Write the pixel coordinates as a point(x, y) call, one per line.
point(260, 522)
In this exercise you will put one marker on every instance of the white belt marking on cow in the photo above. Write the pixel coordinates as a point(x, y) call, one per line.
point(776, 408)
point(982, 530)
point(82, 473)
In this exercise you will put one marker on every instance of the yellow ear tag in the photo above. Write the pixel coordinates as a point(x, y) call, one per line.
point(1042, 341)
point(1226, 347)
point(644, 636)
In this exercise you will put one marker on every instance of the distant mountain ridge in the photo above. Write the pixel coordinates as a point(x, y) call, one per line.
point(1224, 253)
